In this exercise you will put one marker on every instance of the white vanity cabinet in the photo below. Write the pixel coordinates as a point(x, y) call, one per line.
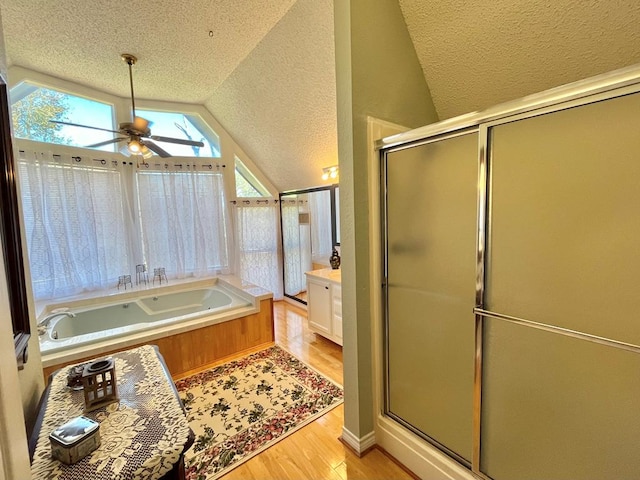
point(324, 303)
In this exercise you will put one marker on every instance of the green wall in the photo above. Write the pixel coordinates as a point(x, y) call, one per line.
point(378, 75)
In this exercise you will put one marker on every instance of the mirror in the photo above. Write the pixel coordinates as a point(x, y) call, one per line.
point(308, 221)
point(336, 224)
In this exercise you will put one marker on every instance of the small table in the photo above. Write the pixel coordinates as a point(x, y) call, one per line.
point(143, 436)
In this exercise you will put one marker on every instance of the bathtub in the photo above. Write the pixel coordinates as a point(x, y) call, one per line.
point(127, 318)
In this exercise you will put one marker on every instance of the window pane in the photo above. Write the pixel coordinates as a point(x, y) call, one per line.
point(184, 127)
point(247, 185)
point(244, 188)
point(33, 107)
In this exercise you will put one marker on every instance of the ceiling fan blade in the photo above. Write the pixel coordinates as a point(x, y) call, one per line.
point(176, 140)
point(106, 142)
point(155, 148)
point(83, 126)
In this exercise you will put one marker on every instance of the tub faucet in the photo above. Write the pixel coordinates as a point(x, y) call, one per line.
point(44, 323)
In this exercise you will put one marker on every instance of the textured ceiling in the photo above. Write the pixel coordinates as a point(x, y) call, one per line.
point(267, 72)
point(280, 103)
point(478, 54)
point(81, 41)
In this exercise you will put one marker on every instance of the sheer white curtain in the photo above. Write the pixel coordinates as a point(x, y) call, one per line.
point(77, 221)
point(257, 244)
point(184, 219)
point(91, 217)
point(306, 258)
point(320, 212)
point(294, 281)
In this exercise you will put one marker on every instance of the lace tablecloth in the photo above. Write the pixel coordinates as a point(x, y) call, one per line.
point(142, 436)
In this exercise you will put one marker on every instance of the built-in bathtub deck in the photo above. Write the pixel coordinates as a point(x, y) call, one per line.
point(187, 349)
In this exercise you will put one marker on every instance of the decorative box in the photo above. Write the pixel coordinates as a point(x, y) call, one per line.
point(75, 440)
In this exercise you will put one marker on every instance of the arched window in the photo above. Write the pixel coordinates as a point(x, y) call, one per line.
point(247, 185)
point(33, 107)
point(186, 126)
point(36, 111)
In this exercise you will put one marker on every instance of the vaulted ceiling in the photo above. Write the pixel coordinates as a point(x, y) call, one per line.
point(478, 54)
point(265, 68)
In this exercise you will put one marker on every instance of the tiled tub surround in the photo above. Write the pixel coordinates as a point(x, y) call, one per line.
point(183, 319)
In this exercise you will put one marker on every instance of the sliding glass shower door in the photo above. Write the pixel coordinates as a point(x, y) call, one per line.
point(561, 369)
point(430, 215)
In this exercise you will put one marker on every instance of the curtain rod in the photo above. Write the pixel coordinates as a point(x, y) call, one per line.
point(248, 202)
point(104, 161)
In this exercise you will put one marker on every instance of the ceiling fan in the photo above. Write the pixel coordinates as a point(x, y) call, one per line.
point(136, 133)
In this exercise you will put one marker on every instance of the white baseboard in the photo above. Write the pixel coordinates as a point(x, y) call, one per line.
point(417, 455)
point(361, 444)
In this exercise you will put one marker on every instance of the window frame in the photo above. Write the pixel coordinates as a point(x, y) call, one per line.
point(240, 168)
point(36, 84)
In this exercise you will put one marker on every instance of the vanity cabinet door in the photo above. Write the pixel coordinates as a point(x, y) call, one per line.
point(319, 306)
point(336, 303)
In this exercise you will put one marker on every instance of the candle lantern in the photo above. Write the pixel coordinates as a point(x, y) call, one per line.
point(99, 384)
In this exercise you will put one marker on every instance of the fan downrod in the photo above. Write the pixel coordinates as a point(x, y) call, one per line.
point(129, 59)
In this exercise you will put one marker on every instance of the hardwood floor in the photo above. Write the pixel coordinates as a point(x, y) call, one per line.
point(293, 335)
point(315, 451)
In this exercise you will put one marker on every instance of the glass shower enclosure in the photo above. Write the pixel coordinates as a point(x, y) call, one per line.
point(510, 266)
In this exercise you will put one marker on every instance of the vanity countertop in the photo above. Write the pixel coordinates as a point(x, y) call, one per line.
point(326, 274)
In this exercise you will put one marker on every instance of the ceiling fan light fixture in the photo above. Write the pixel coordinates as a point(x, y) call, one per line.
point(145, 152)
point(124, 150)
point(140, 124)
point(134, 147)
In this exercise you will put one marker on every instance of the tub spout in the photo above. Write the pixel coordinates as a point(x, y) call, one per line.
point(44, 323)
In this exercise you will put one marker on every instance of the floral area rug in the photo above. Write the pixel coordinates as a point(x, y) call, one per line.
point(243, 407)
